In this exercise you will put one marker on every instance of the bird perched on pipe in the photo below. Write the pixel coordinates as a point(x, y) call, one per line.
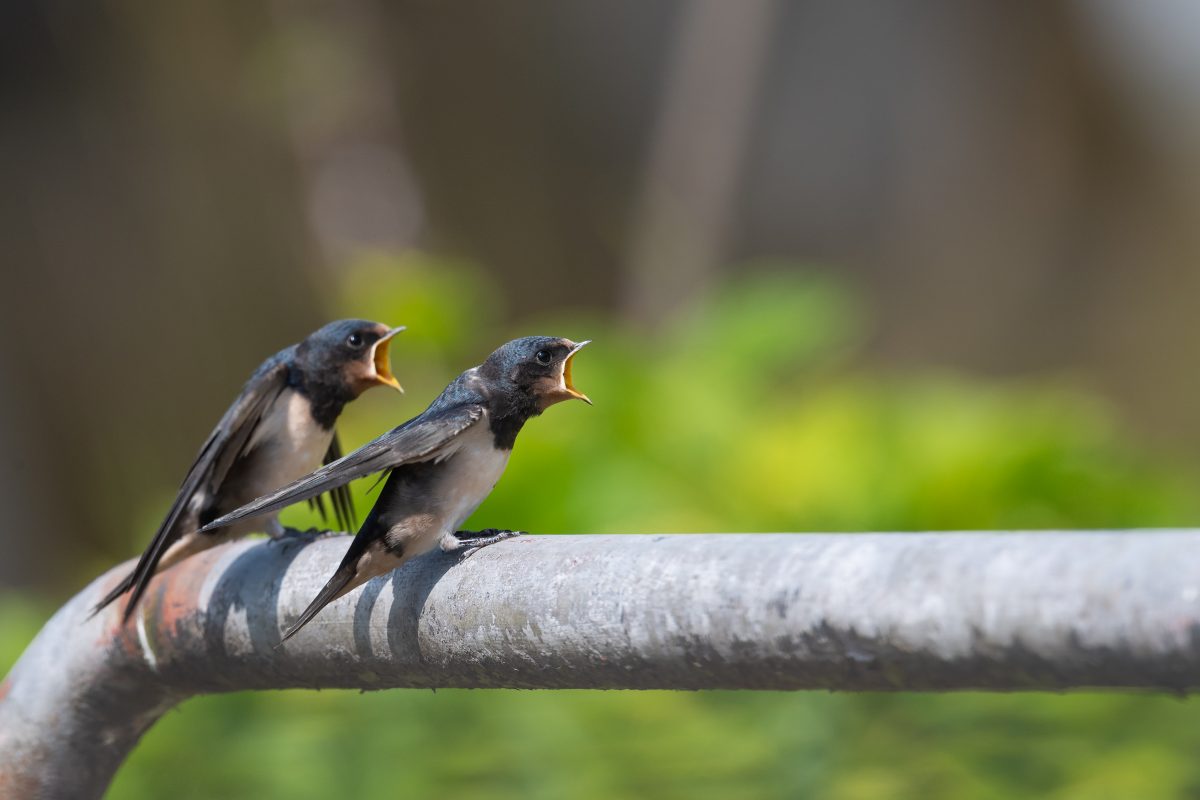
point(279, 427)
point(442, 463)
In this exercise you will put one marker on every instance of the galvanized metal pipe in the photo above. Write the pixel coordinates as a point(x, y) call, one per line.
point(860, 612)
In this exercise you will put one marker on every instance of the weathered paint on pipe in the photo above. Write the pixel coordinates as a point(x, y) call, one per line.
point(1002, 611)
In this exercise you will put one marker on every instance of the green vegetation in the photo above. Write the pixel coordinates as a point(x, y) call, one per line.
point(748, 413)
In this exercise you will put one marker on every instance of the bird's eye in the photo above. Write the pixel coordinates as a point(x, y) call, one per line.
point(543, 357)
point(355, 340)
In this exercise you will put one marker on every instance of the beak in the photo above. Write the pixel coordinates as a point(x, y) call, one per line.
point(570, 388)
point(383, 367)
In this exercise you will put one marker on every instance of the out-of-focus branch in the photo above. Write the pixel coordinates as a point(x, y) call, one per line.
point(767, 611)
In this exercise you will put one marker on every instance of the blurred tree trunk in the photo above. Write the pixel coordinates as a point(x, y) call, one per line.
point(688, 198)
point(527, 128)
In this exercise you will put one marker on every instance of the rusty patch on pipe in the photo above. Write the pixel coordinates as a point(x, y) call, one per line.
point(19, 783)
point(175, 597)
point(171, 601)
point(170, 597)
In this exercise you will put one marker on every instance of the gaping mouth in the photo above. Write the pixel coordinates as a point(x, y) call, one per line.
point(566, 376)
point(383, 367)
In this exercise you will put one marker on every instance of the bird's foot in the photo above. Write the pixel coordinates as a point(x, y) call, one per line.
point(290, 534)
point(471, 542)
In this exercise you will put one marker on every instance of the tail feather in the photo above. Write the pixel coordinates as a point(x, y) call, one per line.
point(121, 588)
point(135, 583)
point(149, 564)
point(334, 588)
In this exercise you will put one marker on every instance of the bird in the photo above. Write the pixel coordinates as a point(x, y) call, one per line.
point(440, 465)
point(279, 427)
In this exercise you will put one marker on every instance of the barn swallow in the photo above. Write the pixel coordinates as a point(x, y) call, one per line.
point(280, 427)
point(443, 464)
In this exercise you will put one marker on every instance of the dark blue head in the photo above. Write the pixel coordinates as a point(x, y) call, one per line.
point(536, 369)
point(348, 357)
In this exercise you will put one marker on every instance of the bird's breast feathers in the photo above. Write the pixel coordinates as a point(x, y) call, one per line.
point(472, 470)
point(288, 441)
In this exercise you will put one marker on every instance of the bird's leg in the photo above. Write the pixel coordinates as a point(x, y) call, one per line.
point(282, 533)
point(487, 536)
point(278, 532)
point(470, 542)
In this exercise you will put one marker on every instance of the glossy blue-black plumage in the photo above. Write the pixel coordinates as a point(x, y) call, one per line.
point(315, 369)
point(508, 389)
point(502, 386)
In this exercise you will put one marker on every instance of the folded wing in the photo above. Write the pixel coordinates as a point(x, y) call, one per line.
point(207, 473)
point(420, 439)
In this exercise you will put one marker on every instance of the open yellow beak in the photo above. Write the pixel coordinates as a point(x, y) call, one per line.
point(383, 367)
point(571, 390)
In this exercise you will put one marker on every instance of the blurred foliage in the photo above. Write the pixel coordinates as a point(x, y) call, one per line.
point(749, 412)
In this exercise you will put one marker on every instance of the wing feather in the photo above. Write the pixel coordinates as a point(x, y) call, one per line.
point(212, 464)
point(419, 439)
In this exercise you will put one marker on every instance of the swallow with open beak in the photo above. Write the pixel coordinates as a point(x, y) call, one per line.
point(443, 464)
point(280, 427)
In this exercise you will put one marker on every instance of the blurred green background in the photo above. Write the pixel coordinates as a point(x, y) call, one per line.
point(846, 267)
point(745, 412)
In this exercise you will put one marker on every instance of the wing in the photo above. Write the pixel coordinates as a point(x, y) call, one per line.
point(339, 496)
point(419, 439)
point(210, 468)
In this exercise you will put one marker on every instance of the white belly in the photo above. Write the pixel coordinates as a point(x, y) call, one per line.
point(471, 474)
point(288, 443)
